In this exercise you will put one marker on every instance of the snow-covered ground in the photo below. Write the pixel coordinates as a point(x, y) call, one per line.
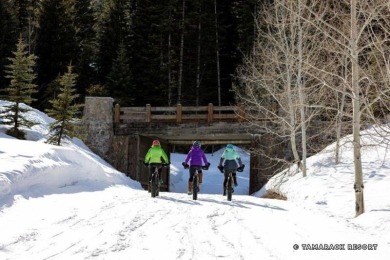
point(67, 203)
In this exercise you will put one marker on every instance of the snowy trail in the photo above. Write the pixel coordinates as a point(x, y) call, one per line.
point(120, 223)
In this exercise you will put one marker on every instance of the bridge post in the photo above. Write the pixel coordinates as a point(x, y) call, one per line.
point(98, 121)
point(117, 113)
point(178, 113)
point(210, 113)
point(148, 113)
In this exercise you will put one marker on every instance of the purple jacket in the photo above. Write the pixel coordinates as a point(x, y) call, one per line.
point(195, 157)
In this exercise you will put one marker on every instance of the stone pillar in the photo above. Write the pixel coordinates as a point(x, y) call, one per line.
point(98, 120)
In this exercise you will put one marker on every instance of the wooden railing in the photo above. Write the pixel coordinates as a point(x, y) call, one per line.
point(178, 114)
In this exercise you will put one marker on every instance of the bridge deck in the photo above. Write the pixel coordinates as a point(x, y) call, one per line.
point(179, 114)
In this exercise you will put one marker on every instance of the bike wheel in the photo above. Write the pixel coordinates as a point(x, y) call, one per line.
point(229, 188)
point(195, 188)
point(157, 185)
point(154, 186)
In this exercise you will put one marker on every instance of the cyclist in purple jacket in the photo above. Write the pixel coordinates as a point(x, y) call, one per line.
point(194, 161)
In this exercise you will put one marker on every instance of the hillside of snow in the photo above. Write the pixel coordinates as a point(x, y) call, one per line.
point(67, 203)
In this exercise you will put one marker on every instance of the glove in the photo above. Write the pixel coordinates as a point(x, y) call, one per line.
point(146, 164)
point(165, 164)
point(206, 167)
point(220, 167)
point(241, 168)
point(186, 166)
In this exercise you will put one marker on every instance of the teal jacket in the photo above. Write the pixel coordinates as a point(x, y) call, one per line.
point(230, 154)
point(230, 159)
point(156, 154)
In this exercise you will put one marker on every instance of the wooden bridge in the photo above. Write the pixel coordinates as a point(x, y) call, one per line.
point(125, 141)
point(179, 114)
point(181, 125)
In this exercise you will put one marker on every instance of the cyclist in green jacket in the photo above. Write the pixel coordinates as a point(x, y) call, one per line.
point(155, 158)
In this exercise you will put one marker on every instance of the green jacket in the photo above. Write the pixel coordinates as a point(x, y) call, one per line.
point(155, 154)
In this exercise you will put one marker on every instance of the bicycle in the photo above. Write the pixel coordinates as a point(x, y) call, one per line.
point(230, 182)
point(195, 180)
point(229, 186)
point(154, 182)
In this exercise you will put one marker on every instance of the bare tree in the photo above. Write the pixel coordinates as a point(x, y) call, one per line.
point(355, 33)
point(365, 46)
point(276, 79)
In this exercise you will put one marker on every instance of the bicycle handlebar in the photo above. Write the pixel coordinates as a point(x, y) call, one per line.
point(205, 167)
point(161, 164)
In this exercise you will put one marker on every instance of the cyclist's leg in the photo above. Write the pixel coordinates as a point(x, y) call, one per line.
point(225, 182)
point(200, 176)
point(160, 175)
point(197, 184)
point(151, 170)
point(235, 178)
point(192, 172)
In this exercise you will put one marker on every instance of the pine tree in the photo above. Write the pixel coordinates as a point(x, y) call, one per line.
point(83, 17)
point(114, 27)
point(119, 80)
point(27, 12)
point(56, 45)
point(8, 37)
point(64, 110)
point(21, 75)
point(153, 55)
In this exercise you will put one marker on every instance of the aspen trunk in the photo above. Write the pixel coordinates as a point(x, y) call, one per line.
point(301, 93)
point(359, 209)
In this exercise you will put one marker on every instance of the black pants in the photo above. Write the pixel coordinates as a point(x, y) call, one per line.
point(226, 178)
point(152, 168)
point(192, 170)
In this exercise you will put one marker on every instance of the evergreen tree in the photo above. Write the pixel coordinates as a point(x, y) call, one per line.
point(8, 38)
point(27, 12)
point(228, 42)
point(56, 45)
point(21, 75)
point(151, 32)
point(114, 27)
point(245, 13)
point(119, 80)
point(83, 17)
point(63, 109)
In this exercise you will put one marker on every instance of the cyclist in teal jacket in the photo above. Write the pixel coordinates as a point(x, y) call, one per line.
point(230, 162)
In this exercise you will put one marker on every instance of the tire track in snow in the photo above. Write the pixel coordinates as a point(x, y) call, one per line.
point(133, 234)
point(248, 235)
point(220, 218)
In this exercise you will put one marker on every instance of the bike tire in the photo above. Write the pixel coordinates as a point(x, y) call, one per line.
point(195, 188)
point(157, 185)
point(153, 186)
point(230, 189)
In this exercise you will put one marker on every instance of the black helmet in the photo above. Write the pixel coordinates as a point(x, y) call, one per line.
point(196, 144)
